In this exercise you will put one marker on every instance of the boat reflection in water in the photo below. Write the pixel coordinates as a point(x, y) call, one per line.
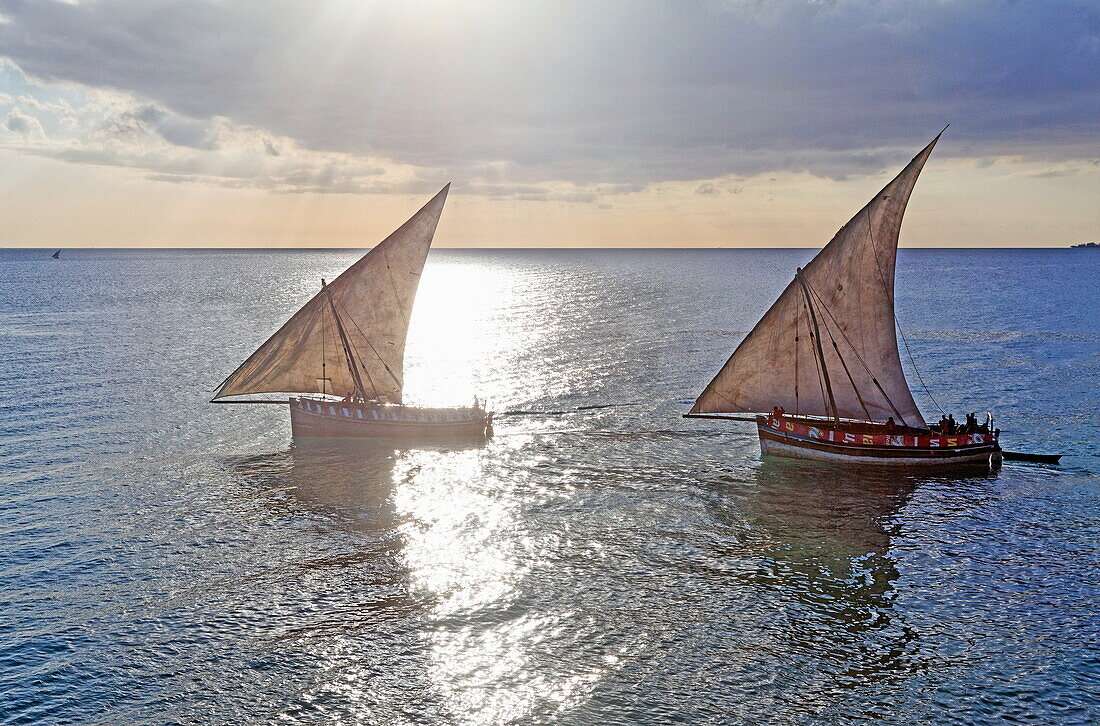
point(329, 477)
point(389, 556)
point(337, 585)
point(344, 495)
point(811, 573)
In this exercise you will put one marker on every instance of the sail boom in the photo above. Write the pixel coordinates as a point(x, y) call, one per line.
point(723, 417)
point(280, 401)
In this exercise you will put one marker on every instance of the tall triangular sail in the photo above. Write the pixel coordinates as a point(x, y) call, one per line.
point(849, 288)
point(374, 299)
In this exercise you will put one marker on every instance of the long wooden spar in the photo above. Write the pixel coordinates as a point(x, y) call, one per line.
point(751, 419)
point(281, 401)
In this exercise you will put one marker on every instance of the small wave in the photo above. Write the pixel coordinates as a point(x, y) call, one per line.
point(562, 412)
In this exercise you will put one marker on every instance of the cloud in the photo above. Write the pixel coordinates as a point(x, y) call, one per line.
point(587, 93)
point(240, 161)
point(148, 119)
point(1056, 171)
point(548, 192)
point(109, 128)
point(24, 125)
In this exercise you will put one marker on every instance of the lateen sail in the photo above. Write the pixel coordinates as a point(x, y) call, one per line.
point(374, 298)
point(849, 288)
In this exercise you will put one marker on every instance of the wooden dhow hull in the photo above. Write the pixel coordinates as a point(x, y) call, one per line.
point(867, 444)
point(312, 418)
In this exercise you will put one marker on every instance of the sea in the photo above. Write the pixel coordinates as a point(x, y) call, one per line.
point(600, 560)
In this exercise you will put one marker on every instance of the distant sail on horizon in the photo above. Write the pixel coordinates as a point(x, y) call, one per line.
point(849, 286)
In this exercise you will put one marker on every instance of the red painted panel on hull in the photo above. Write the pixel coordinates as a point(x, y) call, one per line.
point(786, 427)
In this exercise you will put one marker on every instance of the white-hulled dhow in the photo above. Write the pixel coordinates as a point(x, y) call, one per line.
point(342, 354)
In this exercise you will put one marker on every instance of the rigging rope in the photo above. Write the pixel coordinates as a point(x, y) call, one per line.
point(856, 351)
point(372, 348)
point(916, 370)
point(849, 374)
point(897, 323)
point(817, 363)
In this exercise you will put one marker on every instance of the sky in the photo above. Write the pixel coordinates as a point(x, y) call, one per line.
point(574, 123)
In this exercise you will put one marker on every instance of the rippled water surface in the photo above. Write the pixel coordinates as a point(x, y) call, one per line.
point(601, 560)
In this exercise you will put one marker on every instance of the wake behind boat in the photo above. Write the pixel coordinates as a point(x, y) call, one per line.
point(827, 351)
point(343, 351)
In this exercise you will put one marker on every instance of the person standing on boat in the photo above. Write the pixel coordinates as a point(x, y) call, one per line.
point(891, 427)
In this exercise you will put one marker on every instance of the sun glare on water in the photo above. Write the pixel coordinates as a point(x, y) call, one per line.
point(470, 559)
point(459, 335)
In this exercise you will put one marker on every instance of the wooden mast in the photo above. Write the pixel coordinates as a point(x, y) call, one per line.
point(347, 346)
point(817, 340)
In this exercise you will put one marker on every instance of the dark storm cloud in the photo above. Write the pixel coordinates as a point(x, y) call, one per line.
point(595, 91)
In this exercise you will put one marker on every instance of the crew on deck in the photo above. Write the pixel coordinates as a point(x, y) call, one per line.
point(949, 427)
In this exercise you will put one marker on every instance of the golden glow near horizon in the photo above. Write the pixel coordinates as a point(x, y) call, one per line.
point(46, 203)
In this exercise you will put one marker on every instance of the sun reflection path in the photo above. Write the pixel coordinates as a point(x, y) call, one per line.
point(501, 649)
point(473, 326)
point(461, 542)
point(468, 552)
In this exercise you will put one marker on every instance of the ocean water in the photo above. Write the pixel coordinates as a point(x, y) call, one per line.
point(600, 560)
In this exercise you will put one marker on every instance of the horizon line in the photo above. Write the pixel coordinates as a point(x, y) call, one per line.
point(524, 247)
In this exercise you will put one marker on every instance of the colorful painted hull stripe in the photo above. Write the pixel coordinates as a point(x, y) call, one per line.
point(787, 427)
